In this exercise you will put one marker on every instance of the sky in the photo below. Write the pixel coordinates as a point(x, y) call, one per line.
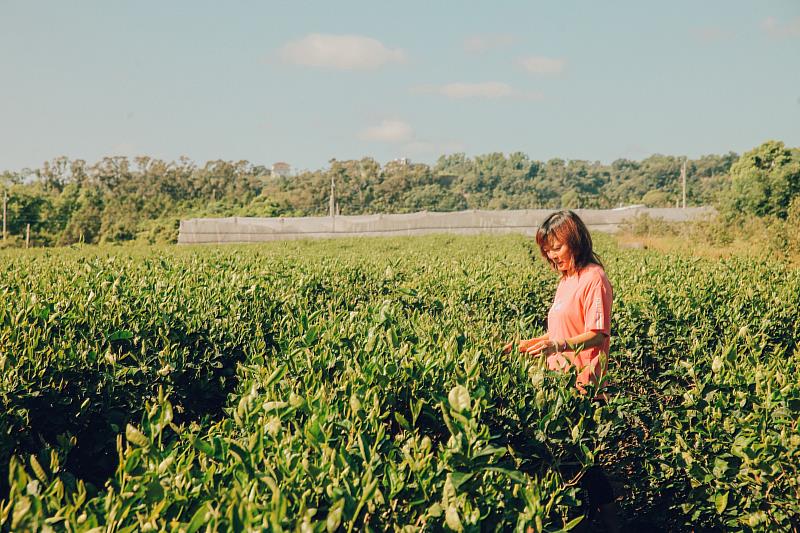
point(307, 81)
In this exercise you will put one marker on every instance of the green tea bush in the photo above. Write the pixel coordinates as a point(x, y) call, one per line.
point(358, 384)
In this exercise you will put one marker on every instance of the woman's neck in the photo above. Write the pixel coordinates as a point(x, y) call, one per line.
point(574, 271)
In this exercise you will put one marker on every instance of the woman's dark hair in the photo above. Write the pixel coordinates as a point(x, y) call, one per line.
point(568, 229)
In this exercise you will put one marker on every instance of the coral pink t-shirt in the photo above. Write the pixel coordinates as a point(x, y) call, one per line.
point(582, 303)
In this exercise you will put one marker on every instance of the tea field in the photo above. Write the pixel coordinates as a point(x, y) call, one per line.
point(359, 385)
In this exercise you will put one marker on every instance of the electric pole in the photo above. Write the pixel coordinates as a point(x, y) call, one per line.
point(332, 200)
point(332, 205)
point(683, 178)
point(5, 202)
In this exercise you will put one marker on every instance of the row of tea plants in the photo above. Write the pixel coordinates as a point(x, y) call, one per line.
point(358, 384)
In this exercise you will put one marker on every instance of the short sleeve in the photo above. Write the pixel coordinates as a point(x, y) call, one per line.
point(597, 305)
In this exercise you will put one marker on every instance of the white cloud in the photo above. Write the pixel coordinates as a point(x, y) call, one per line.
point(487, 89)
point(774, 28)
point(482, 43)
point(543, 65)
point(401, 134)
point(342, 52)
point(392, 131)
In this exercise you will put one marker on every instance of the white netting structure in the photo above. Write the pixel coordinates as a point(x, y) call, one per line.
point(248, 229)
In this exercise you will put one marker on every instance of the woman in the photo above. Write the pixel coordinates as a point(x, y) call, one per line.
point(578, 325)
point(579, 321)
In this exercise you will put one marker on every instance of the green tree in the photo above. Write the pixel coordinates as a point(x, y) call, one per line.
point(656, 198)
point(84, 218)
point(571, 199)
point(764, 180)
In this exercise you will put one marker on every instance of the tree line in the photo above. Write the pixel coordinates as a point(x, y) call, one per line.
point(142, 198)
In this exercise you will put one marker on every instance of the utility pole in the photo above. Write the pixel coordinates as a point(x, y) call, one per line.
point(683, 178)
point(332, 204)
point(28, 235)
point(5, 202)
point(332, 200)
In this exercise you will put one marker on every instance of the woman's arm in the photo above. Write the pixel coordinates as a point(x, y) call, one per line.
point(525, 344)
point(548, 346)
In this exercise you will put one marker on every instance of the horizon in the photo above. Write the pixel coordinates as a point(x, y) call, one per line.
point(281, 82)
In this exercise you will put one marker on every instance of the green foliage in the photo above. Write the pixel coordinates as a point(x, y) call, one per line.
point(366, 395)
point(105, 332)
point(119, 199)
point(357, 384)
point(746, 476)
point(571, 199)
point(767, 235)
point(765, 180)
point(657, 198)
point(83, 211)
point(159, 231)
point(646, 226)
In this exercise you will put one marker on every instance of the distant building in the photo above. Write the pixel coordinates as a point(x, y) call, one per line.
point(281, 169)
point(402, 161)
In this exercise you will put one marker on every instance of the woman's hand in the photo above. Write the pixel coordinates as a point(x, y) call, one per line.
point(524, 345)
point(541, 347)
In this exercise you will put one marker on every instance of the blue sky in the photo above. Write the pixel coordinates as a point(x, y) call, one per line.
point(305, 82)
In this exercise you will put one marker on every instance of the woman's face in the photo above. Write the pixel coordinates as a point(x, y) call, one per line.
point(561, 256)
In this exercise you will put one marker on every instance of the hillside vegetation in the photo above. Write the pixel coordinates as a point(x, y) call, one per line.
point(119, 199)
point(143, 200)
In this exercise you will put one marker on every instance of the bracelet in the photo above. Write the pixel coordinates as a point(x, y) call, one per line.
point(561, 347)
